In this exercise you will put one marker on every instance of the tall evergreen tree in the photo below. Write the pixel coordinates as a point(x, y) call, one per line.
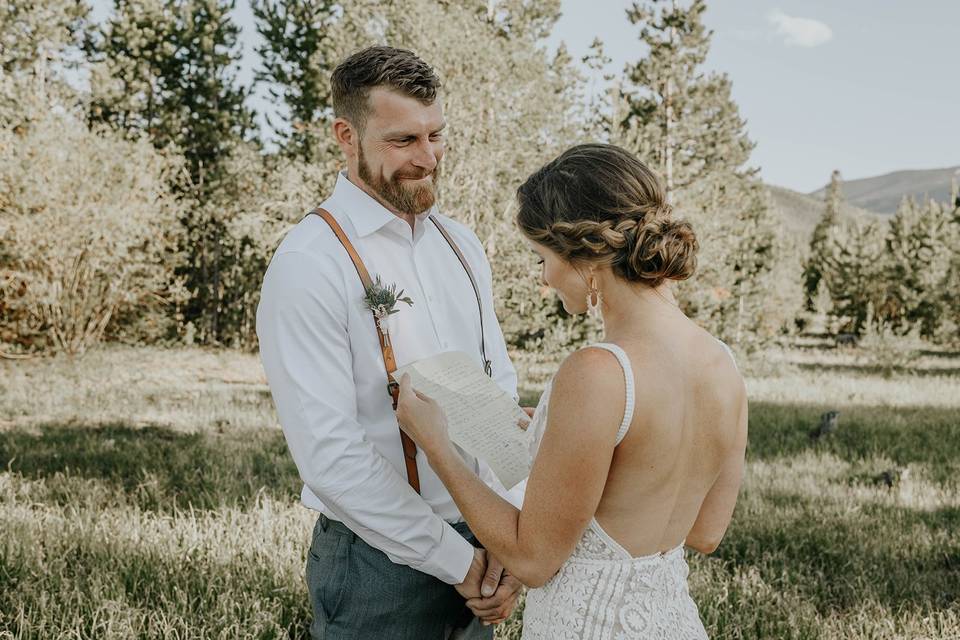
point(298, 57)
point(916, 263)
point(852, 269)
point(813, 266)
point(684, 122)
point(167, 69)
point(680, 118)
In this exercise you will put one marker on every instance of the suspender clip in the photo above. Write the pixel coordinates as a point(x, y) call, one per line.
point(393, 388)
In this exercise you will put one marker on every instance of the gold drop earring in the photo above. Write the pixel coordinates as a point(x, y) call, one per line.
point(594, 300)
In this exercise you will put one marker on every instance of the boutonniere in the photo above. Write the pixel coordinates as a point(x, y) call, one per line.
point(382, 301)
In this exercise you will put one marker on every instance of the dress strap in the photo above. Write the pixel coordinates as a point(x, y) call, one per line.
point(628, 379)
point(729, 352)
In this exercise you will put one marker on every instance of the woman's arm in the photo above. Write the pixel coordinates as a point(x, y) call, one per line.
point(568, 475)
point(717, 508)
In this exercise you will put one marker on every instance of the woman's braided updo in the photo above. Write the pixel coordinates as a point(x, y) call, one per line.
point(598, 204)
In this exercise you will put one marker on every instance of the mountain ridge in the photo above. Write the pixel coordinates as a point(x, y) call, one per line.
point(883, 193)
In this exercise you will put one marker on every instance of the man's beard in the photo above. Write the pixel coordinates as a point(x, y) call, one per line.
point(409, 199)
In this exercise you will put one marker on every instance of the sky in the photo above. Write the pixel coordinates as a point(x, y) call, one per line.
point(863, 86)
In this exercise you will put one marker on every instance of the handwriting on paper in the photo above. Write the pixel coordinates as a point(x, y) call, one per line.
point(482, 418)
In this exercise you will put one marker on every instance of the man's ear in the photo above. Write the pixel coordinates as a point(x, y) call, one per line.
point(346, 136)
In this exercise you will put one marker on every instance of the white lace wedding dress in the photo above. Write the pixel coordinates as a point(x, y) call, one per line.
point(601, 592)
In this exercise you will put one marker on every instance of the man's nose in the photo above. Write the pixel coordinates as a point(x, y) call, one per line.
point(425, 156)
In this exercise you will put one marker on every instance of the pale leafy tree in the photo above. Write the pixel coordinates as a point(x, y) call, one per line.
point(38, 42)
point(950, 328)
point(88, 229)
point(745, 288)
point(510, 109)
point(87, 221)
point(37, 30)
point(263, 199)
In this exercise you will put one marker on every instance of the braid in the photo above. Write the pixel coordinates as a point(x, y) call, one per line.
point(596, 237)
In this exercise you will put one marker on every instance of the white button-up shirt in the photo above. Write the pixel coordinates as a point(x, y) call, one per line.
point(323, 362)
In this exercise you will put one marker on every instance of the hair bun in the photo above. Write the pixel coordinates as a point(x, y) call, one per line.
point(662, 249)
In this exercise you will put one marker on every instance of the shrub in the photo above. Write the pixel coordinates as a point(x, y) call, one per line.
point(87, 232)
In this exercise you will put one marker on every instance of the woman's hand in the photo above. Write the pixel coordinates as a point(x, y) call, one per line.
point(422, 419)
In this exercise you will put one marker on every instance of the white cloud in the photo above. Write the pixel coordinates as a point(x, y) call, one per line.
point(800, 32)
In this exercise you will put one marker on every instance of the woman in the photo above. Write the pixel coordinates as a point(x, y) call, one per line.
point(640, 438)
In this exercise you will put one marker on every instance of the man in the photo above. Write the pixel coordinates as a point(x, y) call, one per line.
point(384, 562)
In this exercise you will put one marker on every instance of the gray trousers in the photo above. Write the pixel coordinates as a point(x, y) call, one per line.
point(357, 593)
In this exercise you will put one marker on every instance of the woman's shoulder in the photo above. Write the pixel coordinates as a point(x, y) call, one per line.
point(588, 377)
point(717, 367)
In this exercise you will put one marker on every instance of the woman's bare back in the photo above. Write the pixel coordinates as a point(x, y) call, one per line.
point(688, 428)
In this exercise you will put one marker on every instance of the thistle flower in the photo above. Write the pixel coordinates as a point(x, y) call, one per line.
point(382, 299)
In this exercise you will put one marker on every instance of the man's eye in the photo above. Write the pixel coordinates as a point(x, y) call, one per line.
point(540, 261)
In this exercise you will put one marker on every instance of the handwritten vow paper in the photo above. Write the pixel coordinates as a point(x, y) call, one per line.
point(482, 418)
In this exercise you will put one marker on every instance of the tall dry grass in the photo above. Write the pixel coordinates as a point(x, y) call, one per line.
point(148, 494)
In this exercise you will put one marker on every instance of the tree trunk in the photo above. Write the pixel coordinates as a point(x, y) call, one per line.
point(668, 103)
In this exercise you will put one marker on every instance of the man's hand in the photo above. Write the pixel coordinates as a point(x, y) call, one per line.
point(470, 587)
point(498, 594)
point(524, 423)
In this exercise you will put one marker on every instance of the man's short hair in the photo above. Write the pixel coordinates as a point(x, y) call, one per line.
point(379, 66)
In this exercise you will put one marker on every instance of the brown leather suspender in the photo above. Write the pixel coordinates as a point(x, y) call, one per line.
point(390, 363)
point(476, 291)
point(393, 388)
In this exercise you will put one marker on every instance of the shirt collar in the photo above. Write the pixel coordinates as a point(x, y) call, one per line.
point(365, 212)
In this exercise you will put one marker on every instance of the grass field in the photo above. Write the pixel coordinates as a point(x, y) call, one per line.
point(148, 494)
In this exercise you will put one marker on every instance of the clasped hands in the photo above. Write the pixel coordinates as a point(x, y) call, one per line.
point(491, 592)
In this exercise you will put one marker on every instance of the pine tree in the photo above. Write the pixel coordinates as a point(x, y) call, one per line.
point(681, 119)
point(813, 266)
point(916, 264)
point(852, 269)
point(683, 122)
point(298, 56)
point(167, 69)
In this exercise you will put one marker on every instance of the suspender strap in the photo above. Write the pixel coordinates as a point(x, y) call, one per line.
point(476, 291)
point(390, 363)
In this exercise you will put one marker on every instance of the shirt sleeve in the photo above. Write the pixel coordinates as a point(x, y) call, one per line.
point(302, 326)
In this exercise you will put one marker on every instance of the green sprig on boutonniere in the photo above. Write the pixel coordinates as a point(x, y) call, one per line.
point(382, 301)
